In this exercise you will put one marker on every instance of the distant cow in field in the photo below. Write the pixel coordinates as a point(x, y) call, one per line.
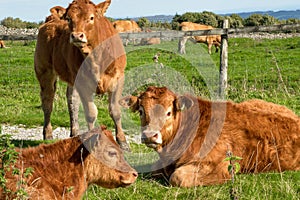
point(65, 169)
point(210, 40)
point(192, 136)
point(81, 47)
point(150, 41)
point(2, 45)
point(126, 26)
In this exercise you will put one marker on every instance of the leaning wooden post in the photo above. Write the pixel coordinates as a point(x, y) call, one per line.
point(223, 62)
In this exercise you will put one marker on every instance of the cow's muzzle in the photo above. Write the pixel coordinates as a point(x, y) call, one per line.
point(78, 38)
point(151, 138)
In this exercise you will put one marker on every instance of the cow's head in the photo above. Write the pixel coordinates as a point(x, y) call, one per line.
point(159, 110)
point(83, 20)
point(105, 163)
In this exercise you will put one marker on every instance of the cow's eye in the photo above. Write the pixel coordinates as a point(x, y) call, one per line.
point(112, 154)
point(68, 19)
point(92, 18)
point(168, 114)
point(141, 112)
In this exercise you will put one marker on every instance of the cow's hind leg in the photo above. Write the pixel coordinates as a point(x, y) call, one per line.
point(115, 113)
point(217, 45)
point(197, 175)
point(48, 88)
point(73, 106)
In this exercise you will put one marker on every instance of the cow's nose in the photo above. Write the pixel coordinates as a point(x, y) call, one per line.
point(151, 136)
point(78, 37)
point(135, 174)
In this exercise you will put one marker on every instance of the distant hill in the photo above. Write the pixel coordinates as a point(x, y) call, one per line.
point(283, 14)
point(157, 18)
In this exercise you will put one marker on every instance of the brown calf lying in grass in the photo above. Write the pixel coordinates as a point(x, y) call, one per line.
point(192, 136)
point(65, 169)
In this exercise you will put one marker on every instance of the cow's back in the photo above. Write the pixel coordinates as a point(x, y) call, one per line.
point(265, 135)
point(190, 26)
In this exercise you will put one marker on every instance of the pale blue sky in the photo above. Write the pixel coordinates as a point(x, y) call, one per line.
point(37, 10)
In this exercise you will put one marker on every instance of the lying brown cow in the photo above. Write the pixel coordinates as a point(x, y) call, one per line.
point(210, 40)
point(123, 26)
point(126, 26)
point(150, 41)
point(81, 47)
point(192, 136)
point(65, 169)
point(2, 45)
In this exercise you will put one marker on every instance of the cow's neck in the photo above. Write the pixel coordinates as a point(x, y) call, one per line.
point(179, 142)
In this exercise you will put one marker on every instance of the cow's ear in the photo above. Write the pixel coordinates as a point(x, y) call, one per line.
point(183, 103)
point(102, 7)
point(131, 102)
point(58, 11)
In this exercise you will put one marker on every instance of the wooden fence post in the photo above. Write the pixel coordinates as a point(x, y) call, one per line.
point(223, 62)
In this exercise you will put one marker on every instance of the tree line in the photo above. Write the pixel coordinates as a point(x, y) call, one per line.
point(11, 22)
point(212, 19)
point(205, 17)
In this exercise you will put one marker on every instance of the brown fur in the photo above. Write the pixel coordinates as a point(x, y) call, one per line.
point(150, 41)
point(123, 26)
point(209, 40)
point(57, 12)
point(56, 56)
point(65, 169)
point(197, 133)
point(126, 26)
point(2, 45)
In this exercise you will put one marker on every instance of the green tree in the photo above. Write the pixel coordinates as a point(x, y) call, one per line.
point(253, 20)
point(236, 21)
point(208, 18)
point(292, 21)
point(143, 22)
point(268, 20)
point(10, 22)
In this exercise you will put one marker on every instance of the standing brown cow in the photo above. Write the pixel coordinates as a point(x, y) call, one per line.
point(81, 47)
point(209, 40)
point(192, 136)
point(126, 26)
point(2, 45)
point(65, 169)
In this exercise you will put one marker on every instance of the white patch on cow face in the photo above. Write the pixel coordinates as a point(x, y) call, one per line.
point(91, 19)
point(169, 113)
point(141, 112)
point(111, 155)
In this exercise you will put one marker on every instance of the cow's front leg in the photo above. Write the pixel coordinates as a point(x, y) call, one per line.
point(209, 45)
point(196, 175)
point(181, 45)
point(89, 107)
point(115, 113)
point(73, 106)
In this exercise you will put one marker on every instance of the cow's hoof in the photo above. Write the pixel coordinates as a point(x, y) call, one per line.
point(124, 146)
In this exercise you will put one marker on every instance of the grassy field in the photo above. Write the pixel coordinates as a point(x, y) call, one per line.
point(263, 69)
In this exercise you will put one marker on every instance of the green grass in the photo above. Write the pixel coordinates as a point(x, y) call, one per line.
point(252, 73)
